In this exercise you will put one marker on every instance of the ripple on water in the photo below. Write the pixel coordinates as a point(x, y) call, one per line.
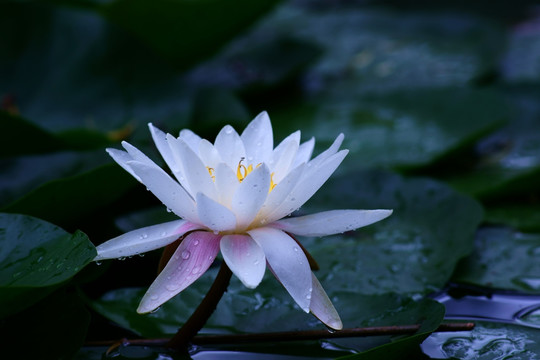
point(486, 341)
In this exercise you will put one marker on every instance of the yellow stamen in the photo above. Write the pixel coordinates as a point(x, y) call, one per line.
point(211, 171)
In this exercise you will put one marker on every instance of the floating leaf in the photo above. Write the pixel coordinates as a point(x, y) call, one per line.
point(503, 258)
point(414, 250)
point(36, 254)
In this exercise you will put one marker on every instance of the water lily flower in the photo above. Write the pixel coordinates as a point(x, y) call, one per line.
point(234, 196)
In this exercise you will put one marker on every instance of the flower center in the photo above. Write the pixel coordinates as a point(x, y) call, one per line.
point(242, 171)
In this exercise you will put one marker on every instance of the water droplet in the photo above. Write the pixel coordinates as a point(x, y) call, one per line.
point(259, 143)
point(186, 254)
point(122, 258)
point(169, 210)
point(196, 242)
point(295, 248)
point(98, 263)
point(196, 270)
point(256, 262)
point(228, 130)
point(164, 233)
point(308, 296)
point(154, 297)
point(145, 236)
point(141, 255)
point(171, 287)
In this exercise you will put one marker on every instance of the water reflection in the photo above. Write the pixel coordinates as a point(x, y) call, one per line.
point(486, 341)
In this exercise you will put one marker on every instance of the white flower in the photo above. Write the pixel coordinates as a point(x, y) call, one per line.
point(233, 196)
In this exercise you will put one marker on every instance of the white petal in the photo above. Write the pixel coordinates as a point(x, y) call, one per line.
point(250, 196)
point(322, 307)
point(208, 154)
point(137, 154)
point(287, 261)
point(295, 137)
point(144, 239)
point(214, 215)
point(191, 259)
point(278, 195)
point(167, 190)
point(230, 146)
point(258, 139)
point(226, 184)
point(312, 179)
point(322, 157)
point(191, 139)
point(122, 157)
point(330, 222)
point(284, 160)
point(160, 139)
point(195, 172)
point(245, 258)
point(304, 152)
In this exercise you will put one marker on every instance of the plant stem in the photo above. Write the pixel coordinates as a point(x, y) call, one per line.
point(203, 312)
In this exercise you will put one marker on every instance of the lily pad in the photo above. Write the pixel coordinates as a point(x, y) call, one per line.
point(503, 258)
point(75, 197)
point(522, 216)
point(36, 255)
point(415, 250)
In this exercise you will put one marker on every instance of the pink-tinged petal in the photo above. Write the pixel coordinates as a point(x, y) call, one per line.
point(250, 196)
point(278, 195)
point(122, 158)
point(195, 172)
point(226, 184)
point(160, 139)
point(230, 146)
point(330, 222)
point(288, 263)
point(214, 215)
point(245, 258)
point(258, 139)
point(312, 179)
point(145, 239)
point(171, 194)
point(191, 259)
point(322, 307)
point(304, 152)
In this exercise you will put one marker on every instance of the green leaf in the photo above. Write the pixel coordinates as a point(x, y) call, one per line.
point(427, 312)
point(35, 256)
point(522, 216)
point(508, 162)
point(183, 31)
point(53, 329)
point(22, 137)
point(503, 258)
point(75, 197)
point(415, 250)
point(401, 129)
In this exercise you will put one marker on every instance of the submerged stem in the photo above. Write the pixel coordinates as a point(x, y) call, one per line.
point(203, 312)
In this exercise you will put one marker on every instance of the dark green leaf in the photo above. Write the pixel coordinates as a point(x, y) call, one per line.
point(75, 197)
point(35, 256)
point(503, 258)
point(184, 31)
point(34, 253)
point(414, 250)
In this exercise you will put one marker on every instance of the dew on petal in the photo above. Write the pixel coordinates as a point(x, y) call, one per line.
point(196, 242)
point(186, 254)
point(196, 270)
point(171, 287)
point(154, 297)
